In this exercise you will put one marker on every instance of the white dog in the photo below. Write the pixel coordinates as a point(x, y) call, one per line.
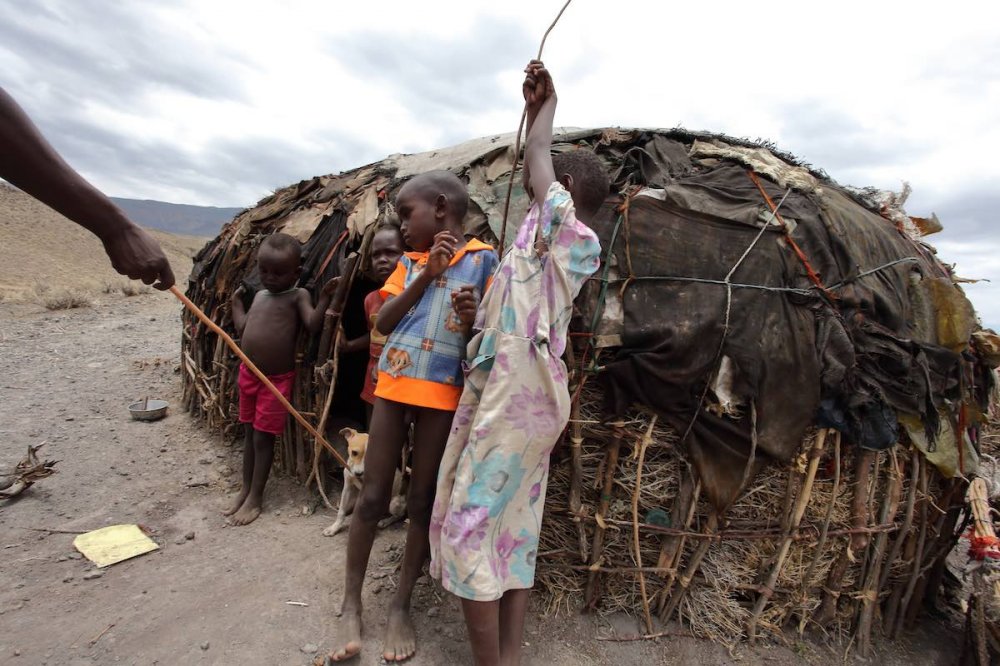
point(357, 445)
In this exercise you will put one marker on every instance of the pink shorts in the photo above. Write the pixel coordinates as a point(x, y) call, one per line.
point(258, 406)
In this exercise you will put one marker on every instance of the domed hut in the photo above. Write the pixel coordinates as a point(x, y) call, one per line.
point(778, 387)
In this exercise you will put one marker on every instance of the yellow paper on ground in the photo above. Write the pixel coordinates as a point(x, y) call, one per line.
point(113, 544)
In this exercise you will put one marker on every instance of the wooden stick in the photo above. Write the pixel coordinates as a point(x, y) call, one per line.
point(678, 548)
point(517, 140)
point(869, 590)
point(692, 568)
point(904, 530)
point(800, 509)
point(823, 533)
point(835, 579)
point(911, 583)
point(576, 455)
point(253, 368)
point(646, 441)
point(597, 550)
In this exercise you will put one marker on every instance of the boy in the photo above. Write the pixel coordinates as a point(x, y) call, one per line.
point(430, 303)
point(267, 336)
point(491, 489)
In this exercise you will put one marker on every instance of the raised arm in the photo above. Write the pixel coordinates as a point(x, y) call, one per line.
point(540, 101)
point(29, 162)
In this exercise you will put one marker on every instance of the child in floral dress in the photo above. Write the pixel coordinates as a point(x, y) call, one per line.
point(515, 402)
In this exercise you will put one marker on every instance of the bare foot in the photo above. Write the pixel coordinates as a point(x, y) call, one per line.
point(400, 638)
point(247, 513)
point(240, 499)
point(350, 636)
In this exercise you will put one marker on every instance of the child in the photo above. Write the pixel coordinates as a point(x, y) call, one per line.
point(491, 488)
point(431, 301)
point(268, 333)
point(387, 248)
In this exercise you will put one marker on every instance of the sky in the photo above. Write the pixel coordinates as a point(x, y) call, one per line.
point(219, 103)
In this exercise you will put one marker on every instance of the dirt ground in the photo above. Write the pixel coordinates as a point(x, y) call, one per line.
point(214, 594)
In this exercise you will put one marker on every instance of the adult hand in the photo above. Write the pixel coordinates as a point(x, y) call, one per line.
point(136, 254)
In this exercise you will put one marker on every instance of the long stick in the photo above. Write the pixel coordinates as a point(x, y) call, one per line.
point(646, 441)
point(767, 589)
point(517, 140)
point(253, 368)
point(597, 550)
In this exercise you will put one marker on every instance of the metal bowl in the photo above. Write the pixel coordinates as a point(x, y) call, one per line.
point(148, 410)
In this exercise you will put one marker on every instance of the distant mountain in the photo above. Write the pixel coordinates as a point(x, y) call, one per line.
point(177, 218)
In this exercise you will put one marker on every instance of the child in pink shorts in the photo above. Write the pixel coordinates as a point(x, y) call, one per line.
point(267, 336)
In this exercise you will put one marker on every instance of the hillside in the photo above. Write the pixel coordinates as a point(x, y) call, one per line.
point(40, 247)
point(177, 218)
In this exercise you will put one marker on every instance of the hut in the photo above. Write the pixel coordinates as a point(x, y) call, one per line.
point(778, 389)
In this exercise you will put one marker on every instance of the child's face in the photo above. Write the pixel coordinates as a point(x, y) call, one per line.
point(279, 270)
point(420, 217)
point(387, 248)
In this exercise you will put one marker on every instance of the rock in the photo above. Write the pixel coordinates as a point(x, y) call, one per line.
point(91, 575)
point(180, 541)
point(205, 645)
point(377, 575)
point(61, 558)
point(309, 648)
point(69, 418)
point(224, 470)
point(377, 589)
point(433, 611)
point(74, 555)
point(68, 579)
point(189, 536)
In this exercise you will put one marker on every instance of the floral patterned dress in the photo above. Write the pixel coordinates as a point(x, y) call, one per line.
point(515, 404)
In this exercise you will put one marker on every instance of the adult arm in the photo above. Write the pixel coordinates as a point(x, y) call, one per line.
point(29, 162)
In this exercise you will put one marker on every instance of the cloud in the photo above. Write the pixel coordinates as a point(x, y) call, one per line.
point(445, 81)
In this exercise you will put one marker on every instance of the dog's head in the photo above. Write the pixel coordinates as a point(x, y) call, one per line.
point(357, 444)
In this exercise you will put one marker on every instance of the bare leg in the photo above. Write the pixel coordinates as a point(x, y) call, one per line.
point(248, 456)
point(368, 415)
point(263, 453)
point(482, 620)
point(513, 607)
point(384, 442)
point(430, 437)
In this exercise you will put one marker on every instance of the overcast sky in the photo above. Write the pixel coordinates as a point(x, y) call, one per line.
point(219, 103)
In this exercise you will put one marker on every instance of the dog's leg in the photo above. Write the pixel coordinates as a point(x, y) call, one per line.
point(348, 497)
point(397, 505)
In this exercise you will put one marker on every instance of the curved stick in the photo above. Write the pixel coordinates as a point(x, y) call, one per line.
point(517, 139)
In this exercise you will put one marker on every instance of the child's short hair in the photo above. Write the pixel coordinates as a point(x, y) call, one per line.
point(433, 183)
point(589, 176)
point(284, 243)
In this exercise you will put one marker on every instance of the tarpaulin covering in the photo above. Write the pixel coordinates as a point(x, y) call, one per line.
point(740, 327)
